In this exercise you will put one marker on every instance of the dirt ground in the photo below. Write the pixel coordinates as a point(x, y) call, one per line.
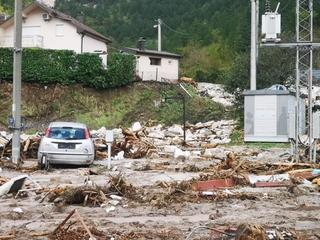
point(159, 212)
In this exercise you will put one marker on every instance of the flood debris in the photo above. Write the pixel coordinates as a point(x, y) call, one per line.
point(29, 145)
point(251, 232)
point(75, 232)
point(213, 184)
point(14, 185)
point(93, 195)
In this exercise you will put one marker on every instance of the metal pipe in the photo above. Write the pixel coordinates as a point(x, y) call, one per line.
point(159, 34)
point(184, 119)
point(82, 37)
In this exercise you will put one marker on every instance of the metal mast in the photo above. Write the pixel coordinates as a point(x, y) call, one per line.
point(304, 65)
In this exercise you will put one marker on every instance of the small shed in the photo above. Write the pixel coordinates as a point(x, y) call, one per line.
point(269, 115)
point(152, 65)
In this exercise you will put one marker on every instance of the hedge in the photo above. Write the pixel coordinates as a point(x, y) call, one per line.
point(46, 66)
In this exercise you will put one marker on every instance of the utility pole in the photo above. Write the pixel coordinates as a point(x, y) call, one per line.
point(16, 104)
point(254, 43)
point(159, 34)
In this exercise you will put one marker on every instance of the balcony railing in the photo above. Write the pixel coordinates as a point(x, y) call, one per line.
point(27, 41)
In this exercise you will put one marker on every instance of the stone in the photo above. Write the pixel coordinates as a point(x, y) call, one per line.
point(136, 127)
point(214, 153)
point(175, 130)
point(181, 155)
point(117, 133)
point(170, 149)
point(156, 134)
point(177, 141)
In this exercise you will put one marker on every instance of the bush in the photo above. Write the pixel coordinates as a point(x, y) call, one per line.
point(46, 66)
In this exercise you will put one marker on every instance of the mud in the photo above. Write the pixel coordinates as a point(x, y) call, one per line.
point(294, 208)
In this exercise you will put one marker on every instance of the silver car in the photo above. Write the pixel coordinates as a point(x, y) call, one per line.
point(66, 143)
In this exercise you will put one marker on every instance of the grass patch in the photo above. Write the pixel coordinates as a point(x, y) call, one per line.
point(237, 139)
point(111, 108)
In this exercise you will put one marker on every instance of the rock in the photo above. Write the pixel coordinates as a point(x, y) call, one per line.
point(177, 141)
point(175, 130)
point(205, 132)
point(17, 210)
point(136, 127)
point(117, 133)
point(214, 153)
point(156, 134)
point(190, 136)
point(170, 149)
point(181, 155)
point(100, 133)
point(114, 202)
point(116, 197)
point(110, 209)
point(119, 156)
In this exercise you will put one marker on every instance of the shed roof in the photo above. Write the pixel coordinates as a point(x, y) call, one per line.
point(151, 53)
point(266, 92)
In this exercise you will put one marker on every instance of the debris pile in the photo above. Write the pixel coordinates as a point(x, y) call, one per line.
point(138, 141)
point(216, 92)
point(76, 230)
point(29, 145)
point(254, 231)
point(93, 195)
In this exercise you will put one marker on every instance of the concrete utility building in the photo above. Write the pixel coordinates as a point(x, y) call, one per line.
point(270, 115)
point(45, 27)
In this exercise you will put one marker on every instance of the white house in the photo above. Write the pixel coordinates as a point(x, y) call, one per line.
point(155, 65)
point(45, 27)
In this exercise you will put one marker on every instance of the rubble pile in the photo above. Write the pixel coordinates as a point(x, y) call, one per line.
point(138, 141)
point(216, 92)
point(29, 145)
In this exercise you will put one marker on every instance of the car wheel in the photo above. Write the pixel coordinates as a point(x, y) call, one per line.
point(42, 161)
point(46, 164)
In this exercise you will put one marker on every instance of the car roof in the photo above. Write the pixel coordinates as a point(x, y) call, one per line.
point(67, 124)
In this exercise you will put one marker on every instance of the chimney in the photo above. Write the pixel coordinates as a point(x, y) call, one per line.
point(80, 18)
point(141, 43)
point(49, 3)
point(3, 18)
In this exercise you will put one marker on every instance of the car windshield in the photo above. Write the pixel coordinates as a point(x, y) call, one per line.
point(67, 133)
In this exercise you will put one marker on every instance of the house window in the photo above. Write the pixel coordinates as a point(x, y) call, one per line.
point(31, 30)
point(155, 61)
point(59, 30)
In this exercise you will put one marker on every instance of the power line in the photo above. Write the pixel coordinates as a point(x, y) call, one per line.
point(173, 30)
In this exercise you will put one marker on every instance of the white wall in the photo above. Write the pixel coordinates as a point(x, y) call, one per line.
point(55, 34)
point(169, 68)
point(92, 45)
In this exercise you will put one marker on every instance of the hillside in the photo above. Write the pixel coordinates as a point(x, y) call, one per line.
point(109, 108)
point(210, 34)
